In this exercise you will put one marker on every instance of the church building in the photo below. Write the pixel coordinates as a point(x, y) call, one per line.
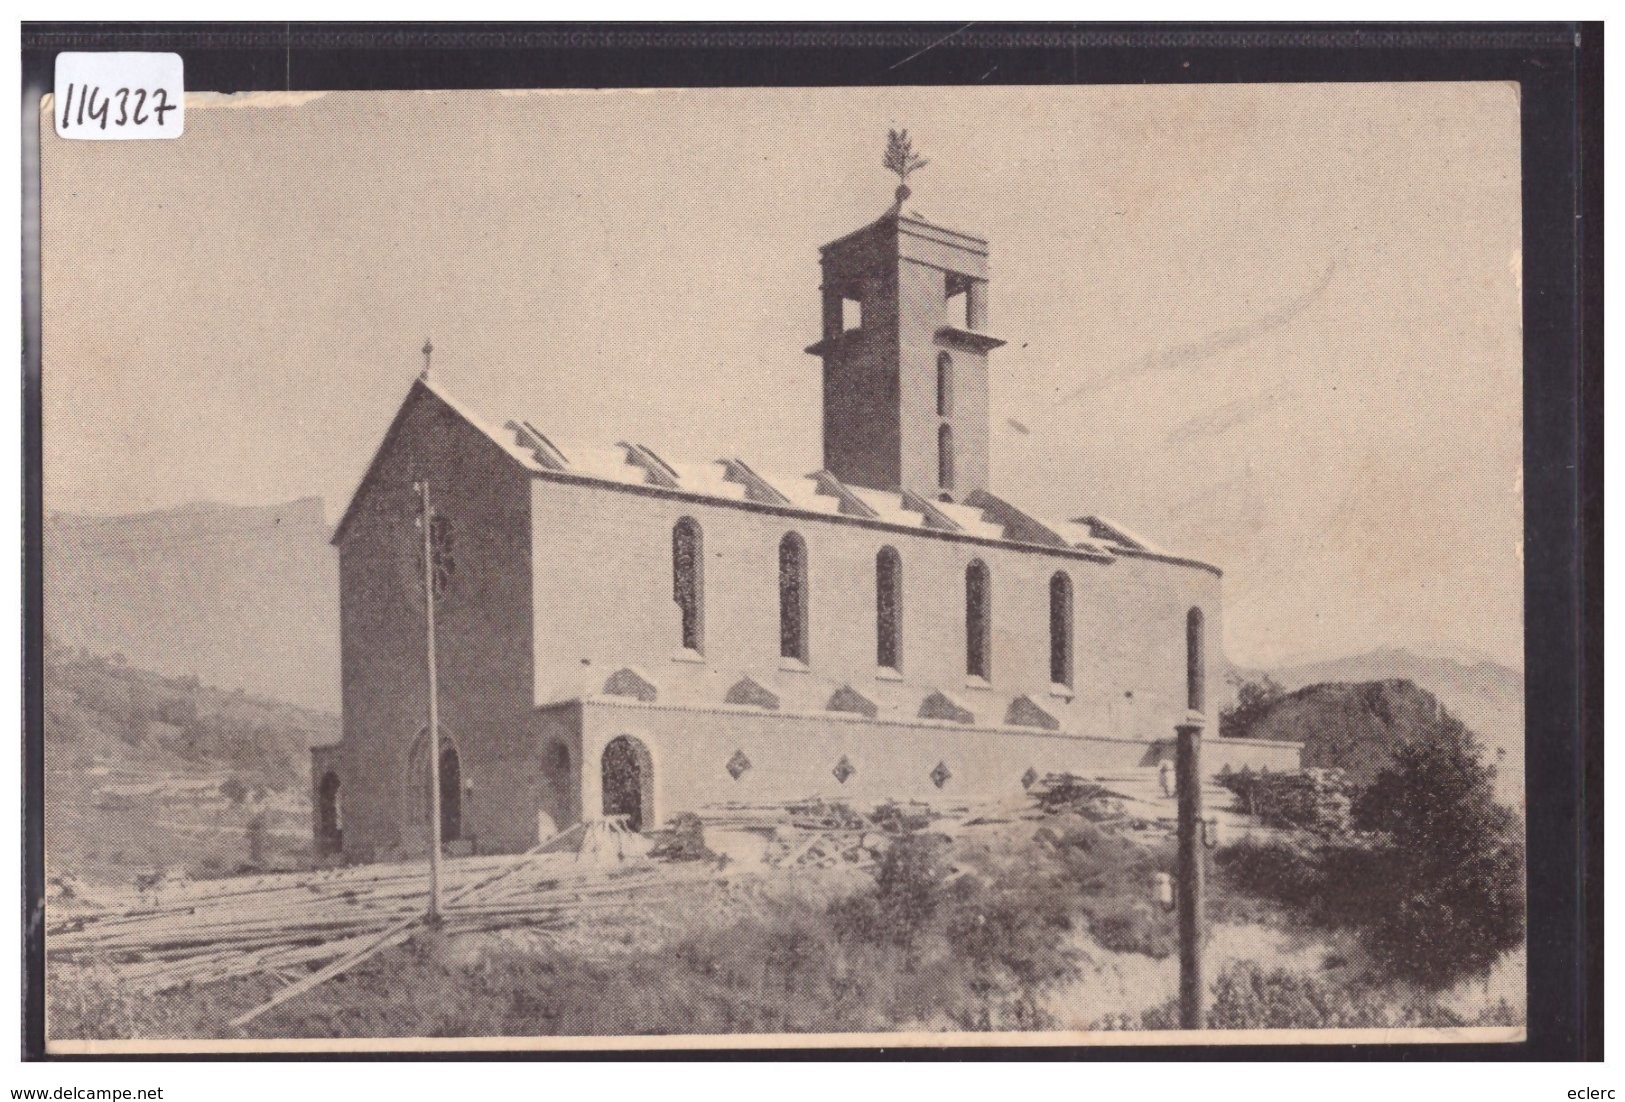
point(620, 631)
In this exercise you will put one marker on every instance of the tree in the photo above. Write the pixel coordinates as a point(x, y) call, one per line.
point(1254, 699)
point(1453, 856)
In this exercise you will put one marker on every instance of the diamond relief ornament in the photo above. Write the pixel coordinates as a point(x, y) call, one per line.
point(941, 774)
point(1029, 778)
point(738, 764)
point(843, 770)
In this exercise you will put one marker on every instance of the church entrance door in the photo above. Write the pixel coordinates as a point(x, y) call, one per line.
point(330, 832)
point(451, 796)
point(628, 776)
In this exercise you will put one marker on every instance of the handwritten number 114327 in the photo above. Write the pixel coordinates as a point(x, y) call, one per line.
point(88, 105)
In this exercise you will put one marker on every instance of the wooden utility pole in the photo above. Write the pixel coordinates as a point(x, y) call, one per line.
point(427, 523)
point(1188, 890)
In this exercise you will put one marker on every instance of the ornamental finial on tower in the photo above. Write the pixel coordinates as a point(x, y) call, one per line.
point(901, 159)
point(428, 351)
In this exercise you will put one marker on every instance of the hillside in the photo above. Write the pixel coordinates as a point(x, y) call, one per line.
point(248, 596)
point(1350, 727)
point(145, 771)
point(1355, 726)
point(237, 596)
point(1487, 696)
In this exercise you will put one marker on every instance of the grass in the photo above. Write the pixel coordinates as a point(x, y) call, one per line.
point(944, 938)
point(974, 934)
point(1250, 996)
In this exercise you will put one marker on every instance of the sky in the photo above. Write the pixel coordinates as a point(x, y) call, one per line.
point(1277, 328)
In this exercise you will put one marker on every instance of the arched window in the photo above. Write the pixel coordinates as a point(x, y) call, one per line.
point(889, 609)
point(793, 597)
point(688, 581)
point(1060, 629)
point(1195, 661)
point(945, 457)
point(945, 384)
point(978, 620)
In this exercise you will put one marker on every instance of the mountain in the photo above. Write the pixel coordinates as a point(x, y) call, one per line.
point(143, 770)
point(1487, 696)
point(238, 596)
point(247, 596)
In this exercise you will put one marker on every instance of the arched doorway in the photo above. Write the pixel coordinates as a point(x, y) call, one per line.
point(454, 790)
point(628, 776)
point(451, 795)
point(330, 816)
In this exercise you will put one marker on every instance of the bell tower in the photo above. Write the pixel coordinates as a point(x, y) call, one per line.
point(905, 352)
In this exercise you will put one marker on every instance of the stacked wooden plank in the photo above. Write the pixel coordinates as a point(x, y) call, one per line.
point(285, 924)
point(823, 834)
point(165, 935)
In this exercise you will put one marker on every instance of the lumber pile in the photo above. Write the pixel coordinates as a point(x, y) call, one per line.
point(286, 924)
point(1063, 792)
point(161, 935)
point(823, 834)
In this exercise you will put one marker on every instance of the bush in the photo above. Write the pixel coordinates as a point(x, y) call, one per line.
point(1108, 878)
point(1435, 886)
point(1246, 996)
point(1012, 952)
point(1254, 699)
point(1310, 799)
point(909, 879)
point(1454, 859)
point(1287, 871)
point(988, 940)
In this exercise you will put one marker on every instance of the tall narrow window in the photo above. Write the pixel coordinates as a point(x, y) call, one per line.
point(1195, 661)
point(978, 616)
point(793, 597)
point(945, 384)
point(945, 457)
point(957, 289)
point(888, 609)
point(1060, 629)
point(688, 581)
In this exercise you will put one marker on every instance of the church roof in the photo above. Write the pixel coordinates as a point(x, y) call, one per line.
point(982, 516)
